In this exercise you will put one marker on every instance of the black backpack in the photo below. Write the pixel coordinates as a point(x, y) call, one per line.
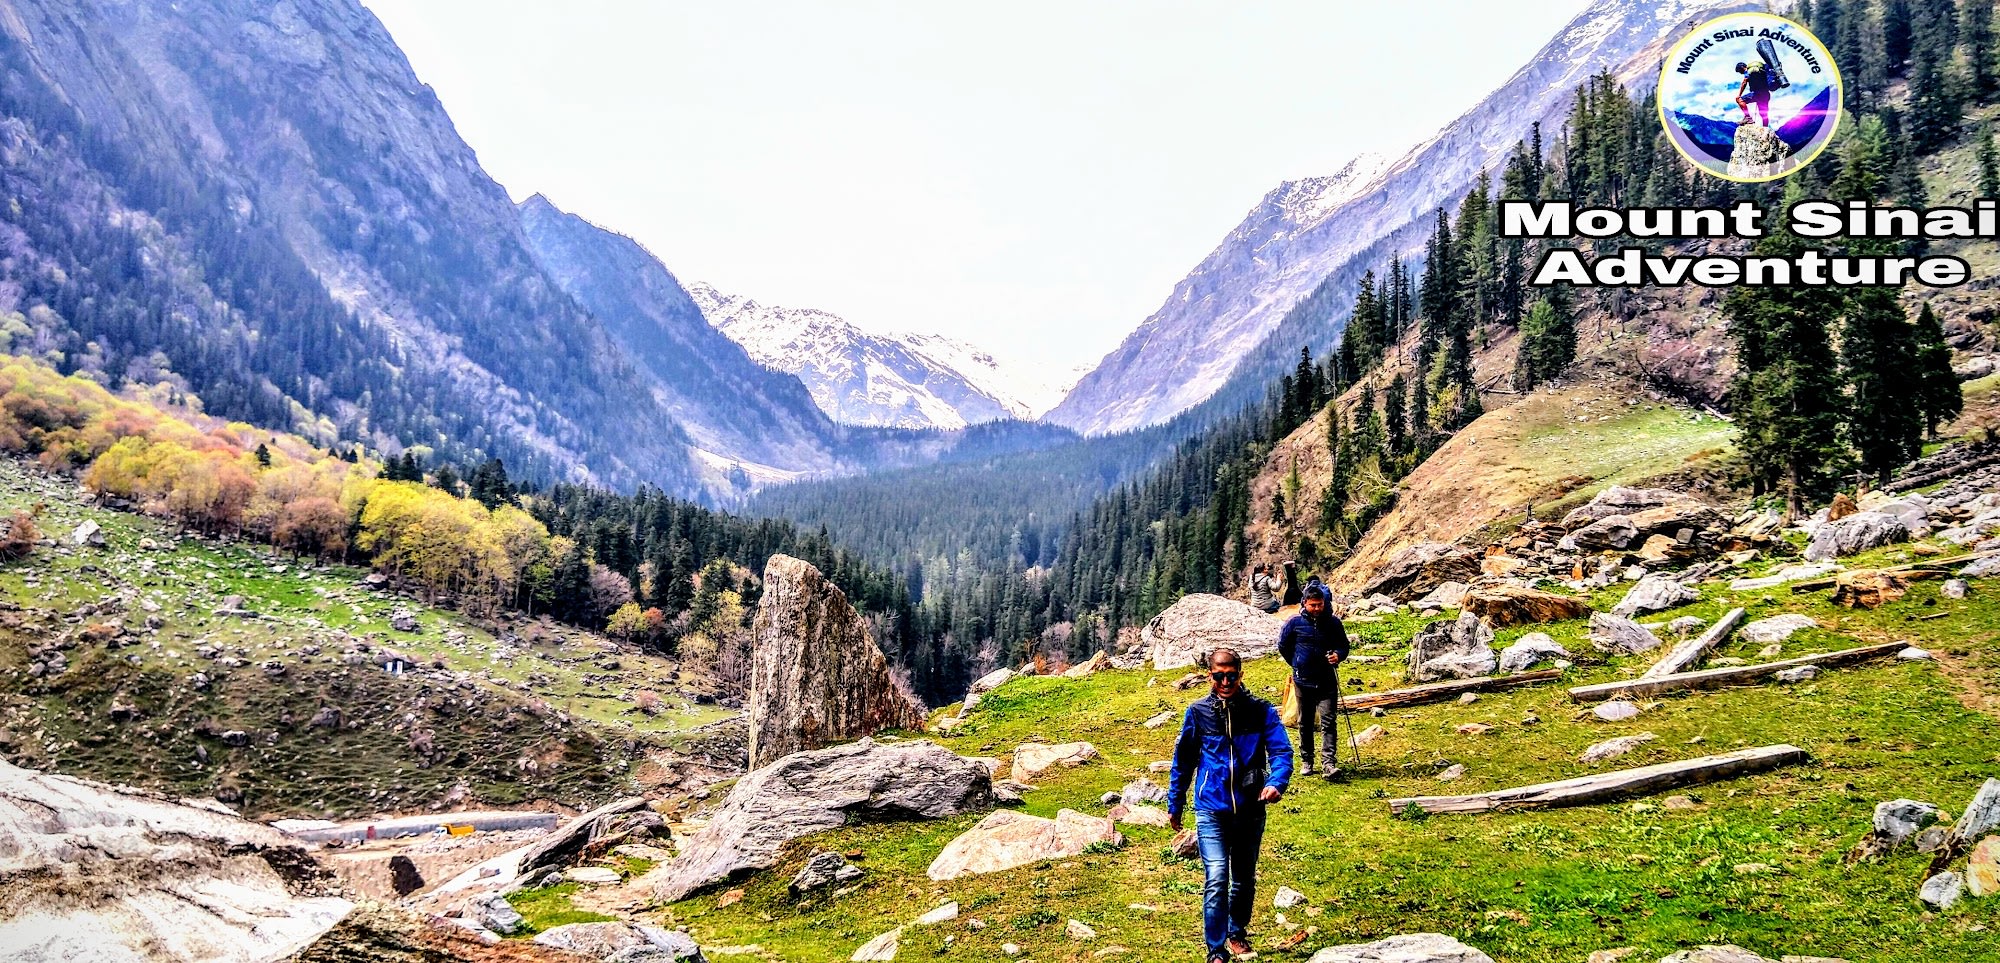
point(1759, 80)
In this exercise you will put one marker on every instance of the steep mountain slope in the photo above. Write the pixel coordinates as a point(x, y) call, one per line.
point(858, 378)
point(733, 407)
point(263, 201)
point(1305, 232)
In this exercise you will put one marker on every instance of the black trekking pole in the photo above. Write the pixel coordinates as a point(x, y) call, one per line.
point(1338, 715)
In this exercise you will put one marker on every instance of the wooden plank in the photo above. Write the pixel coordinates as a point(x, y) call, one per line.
point(1689, 654)
point(1606, 786)
point(1440, 691)
point(1717, 678)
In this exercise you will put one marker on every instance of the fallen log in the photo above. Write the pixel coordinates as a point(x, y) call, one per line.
point(1605, 786)
point(1440, 691)
point(1717, 678)
point(1689, 654)
point(1940, 565)
point(1974, 463)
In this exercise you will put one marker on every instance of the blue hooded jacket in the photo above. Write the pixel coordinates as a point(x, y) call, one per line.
point(1224, 750)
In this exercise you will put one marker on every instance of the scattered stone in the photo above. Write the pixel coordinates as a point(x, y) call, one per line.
point(1941, 892)
point(1899, 819)
point(818, 872)
point(1453, 774)
point(880, 948)
point(1456, 649)
point(1420, 569)
point(816, 675)
point(1856, 533)
point(1680, 803)
point(1161, 719)
point(1612, 956)
point(1617, 710)
point(818, 790)
point(87, 533)
point(1079, 930)
point(1982, 815)
point(1407, 948)
point(1776, 629)
point(1914, 654)
point(943, 914)
point(1006, 839)
point(1189, 629)
point(1504, 605)
point(1609, 534)
point(1033, 760)
point(1687, 625)
point(1474, 729)
point(1954, 588)
point(492, 912)
point(1613, 748)
point(1654, 593)
point(1619, 635)
point(1797, 673)
point(1931, 839)
point(1143, 792)
point(601, 876)
point(1868, 590)
point(233, 605)
point(1468, 698)
point(1982, 568)
point(1368, 735)
point(1982, 872)
point(403, 620)
point(1529, 650)
point(1149, 816)
point(990, 681)
point(1088, 667)
point(1287, 898)
point(1620, 500)
point(622, 941)
point(1449, 595)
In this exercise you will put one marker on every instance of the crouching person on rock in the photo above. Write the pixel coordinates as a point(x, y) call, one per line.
point(1234, 751)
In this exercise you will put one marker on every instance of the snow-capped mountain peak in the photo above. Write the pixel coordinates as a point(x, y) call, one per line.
point(894, 380)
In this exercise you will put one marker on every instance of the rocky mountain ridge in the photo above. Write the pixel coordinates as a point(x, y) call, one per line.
point(1306, 232)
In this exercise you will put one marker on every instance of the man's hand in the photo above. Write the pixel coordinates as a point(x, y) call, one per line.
point(1174, 822)
point(1333, 658)
point(1269, 795)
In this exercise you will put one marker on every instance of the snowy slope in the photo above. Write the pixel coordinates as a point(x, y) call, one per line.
point(859, 378)
point(1305, 231)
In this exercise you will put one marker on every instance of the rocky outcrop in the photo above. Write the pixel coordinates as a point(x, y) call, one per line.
point(1758, 153)
point(101, 873)
point(1007, 839)
point(1654, 593)
point(1620, 500)
point(1456, 649)
point(1033, 760)
point(1417, 570)
point(1505, 605)
point(1530, 649)
point(1856, 533)
point(818, 790)
point(1189, 629)
point(815, 673)
point(1620, 636)
point(1407, 948)
point(622, 942)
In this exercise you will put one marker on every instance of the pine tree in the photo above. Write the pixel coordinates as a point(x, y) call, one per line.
point(1393, 415)
point(1548, 342)
point(1989, 164)
point(1896, 36)
point(1877, 357)
point(1975, 35)
point(1939, 396)
point(263, 455)
point(1786, 393)
point(1934, 108)
point(1865, 163)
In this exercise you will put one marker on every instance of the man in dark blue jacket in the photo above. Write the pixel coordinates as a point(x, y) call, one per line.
point(1235, 752)
point(1314, 643)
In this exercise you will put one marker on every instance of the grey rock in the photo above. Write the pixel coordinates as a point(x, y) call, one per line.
point(1777, 628)
point(1407, 948)
point(1287, 898)
point(1687, 625)
point(817, 790)
point(1899, 819)
point(1620, 635)
point(1460, 648)
point(87, 533)
point(1914, 654)
point(1613, 533)
point(623, 942)
point(1953, 588)
point(1654, 593)
point(816, 675)
point(1981, 816)
point(1798, 673)
point(1987, 567)
point(1856, 533)
point(1143, 792)
point(1615, 711)
point(1931, 839)
point(1446, 596)
point(1942, 892)
point(1189, 629)
point(821, 870)
point(1620, 500)
point(1529, 650)
point(1758, 154)
point(492, 912)
point(1420, 569)
point(1615, 747)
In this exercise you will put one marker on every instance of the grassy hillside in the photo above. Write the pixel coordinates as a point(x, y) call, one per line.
point(1755, 861)
point(156, 676)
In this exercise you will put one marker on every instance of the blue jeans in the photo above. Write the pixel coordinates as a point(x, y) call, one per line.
point(1229, 844)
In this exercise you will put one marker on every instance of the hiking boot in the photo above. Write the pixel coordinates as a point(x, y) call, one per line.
point(1240, 947)
point(1306, 769)
point(1330, 774)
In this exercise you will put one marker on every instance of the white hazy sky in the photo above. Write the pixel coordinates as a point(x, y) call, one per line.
point(1032, 176)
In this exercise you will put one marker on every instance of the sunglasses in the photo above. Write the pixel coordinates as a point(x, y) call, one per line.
point(1226, 675)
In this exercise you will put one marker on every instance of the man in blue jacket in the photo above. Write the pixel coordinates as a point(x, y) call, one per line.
point(1314, 642)
point(1234, 750)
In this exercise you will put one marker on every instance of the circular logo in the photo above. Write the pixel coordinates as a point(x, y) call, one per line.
point(1749, 96)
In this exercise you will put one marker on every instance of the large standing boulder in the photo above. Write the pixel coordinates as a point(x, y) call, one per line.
point(1007, 839)
point(1612, 533)
point(1184, 634)
point(1407, 948)
point(1416, 570)
point(1858, 532)
point(815, 674)
point(1504, 605)
point(818, 790)
point(102, 873)
point(1460, 648)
